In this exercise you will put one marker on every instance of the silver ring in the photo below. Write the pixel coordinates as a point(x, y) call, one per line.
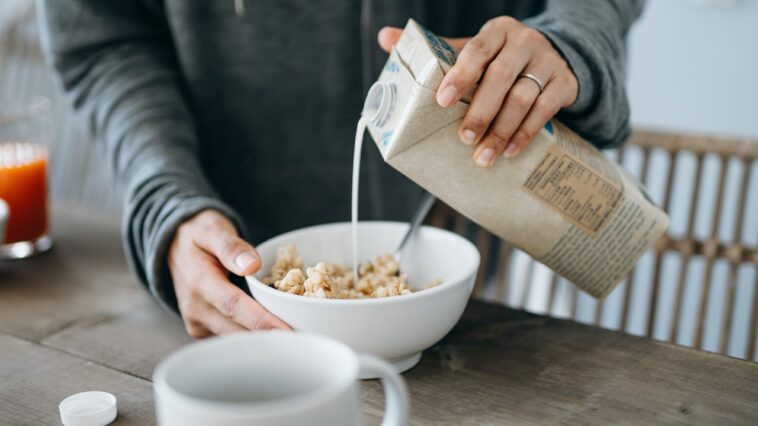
point(534, 79)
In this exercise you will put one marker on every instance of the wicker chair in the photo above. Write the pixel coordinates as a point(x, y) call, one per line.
point(665, 320)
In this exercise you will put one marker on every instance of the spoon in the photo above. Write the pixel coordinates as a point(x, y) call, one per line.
point(418, 218)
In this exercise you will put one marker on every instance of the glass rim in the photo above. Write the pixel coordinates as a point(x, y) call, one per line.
point(14, 110)
point(14, 154)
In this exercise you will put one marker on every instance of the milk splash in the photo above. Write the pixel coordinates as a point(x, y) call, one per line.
point(360, 129)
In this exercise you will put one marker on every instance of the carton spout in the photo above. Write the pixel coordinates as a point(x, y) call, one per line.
point(380, 103)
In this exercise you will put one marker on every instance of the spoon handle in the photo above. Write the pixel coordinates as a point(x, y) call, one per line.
point(418, 218)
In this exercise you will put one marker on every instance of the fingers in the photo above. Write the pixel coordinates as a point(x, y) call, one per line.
point(472, 62)
point(218, 237)
point(234, 253)
point(196, 330)
point(202, 250)
point(517, 104)
point(505, 112)
point(210, 304)
point(234, 304)
point(555, 96)
point(499, 120)
point(501, 74)
point(388, 37)
point(217, 323)
point(203, 320)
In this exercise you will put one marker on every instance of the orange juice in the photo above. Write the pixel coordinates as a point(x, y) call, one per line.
point(23, 185)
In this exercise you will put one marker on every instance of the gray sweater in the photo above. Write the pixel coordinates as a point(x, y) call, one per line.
point(253, 114)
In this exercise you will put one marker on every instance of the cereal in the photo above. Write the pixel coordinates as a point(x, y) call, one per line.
point(286, 260)
point(293, 282)
point(319, 283)
point(380, 277)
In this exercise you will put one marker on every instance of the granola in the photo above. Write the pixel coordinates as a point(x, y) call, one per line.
point(380, 277)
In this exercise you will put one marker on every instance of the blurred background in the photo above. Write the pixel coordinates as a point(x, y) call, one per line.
point(77, 171)
point(693, 65)
point(692, 70)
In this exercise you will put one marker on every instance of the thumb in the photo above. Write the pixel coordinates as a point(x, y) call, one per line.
point(220, 240)
point(239, 257)
point(388, 37)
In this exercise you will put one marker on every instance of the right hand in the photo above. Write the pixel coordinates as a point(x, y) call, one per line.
point(507, 110)
point(205, 248)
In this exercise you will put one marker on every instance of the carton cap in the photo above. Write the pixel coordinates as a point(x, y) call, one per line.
point(380, 103)
point(94, 408)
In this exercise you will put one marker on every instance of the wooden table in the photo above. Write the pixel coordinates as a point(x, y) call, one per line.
point(74, 319)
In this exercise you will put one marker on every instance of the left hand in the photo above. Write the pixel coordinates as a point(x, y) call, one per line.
point(204, 250)
point(507, 109)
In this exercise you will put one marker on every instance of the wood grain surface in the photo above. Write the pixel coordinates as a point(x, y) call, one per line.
point(74, 319)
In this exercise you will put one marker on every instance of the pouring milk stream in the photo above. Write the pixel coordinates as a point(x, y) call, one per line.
point(560, 200)
point(360, 129)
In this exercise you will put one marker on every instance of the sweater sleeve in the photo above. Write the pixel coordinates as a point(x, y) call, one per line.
point(591, 36)
point(116, 63)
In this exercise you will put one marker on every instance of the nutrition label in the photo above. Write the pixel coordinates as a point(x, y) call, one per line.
point(577, 192)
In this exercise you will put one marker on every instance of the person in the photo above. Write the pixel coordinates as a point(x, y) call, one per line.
point(231, 121)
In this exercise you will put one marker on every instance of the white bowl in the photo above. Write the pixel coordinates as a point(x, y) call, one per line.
point(395, 328)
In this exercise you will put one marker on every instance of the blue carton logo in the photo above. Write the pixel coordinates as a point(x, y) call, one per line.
point(442, 49)
point(549, 127)
point(392, 67)
point(386, 136)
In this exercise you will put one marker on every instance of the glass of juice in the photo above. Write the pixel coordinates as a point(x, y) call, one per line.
point(24, 134)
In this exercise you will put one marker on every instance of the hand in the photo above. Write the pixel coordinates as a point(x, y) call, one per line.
point(506, 111)
point(204, 248)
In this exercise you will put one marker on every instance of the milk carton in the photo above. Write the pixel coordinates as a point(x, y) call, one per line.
point(560, 200)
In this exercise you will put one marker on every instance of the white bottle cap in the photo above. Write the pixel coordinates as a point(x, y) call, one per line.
point(380, 103)
point(93, 408)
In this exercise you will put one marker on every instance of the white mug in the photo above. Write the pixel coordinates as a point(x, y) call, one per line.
point(271, 378)
point(4, 213)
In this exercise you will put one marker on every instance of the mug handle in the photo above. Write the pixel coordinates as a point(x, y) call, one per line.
point(395, 391)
